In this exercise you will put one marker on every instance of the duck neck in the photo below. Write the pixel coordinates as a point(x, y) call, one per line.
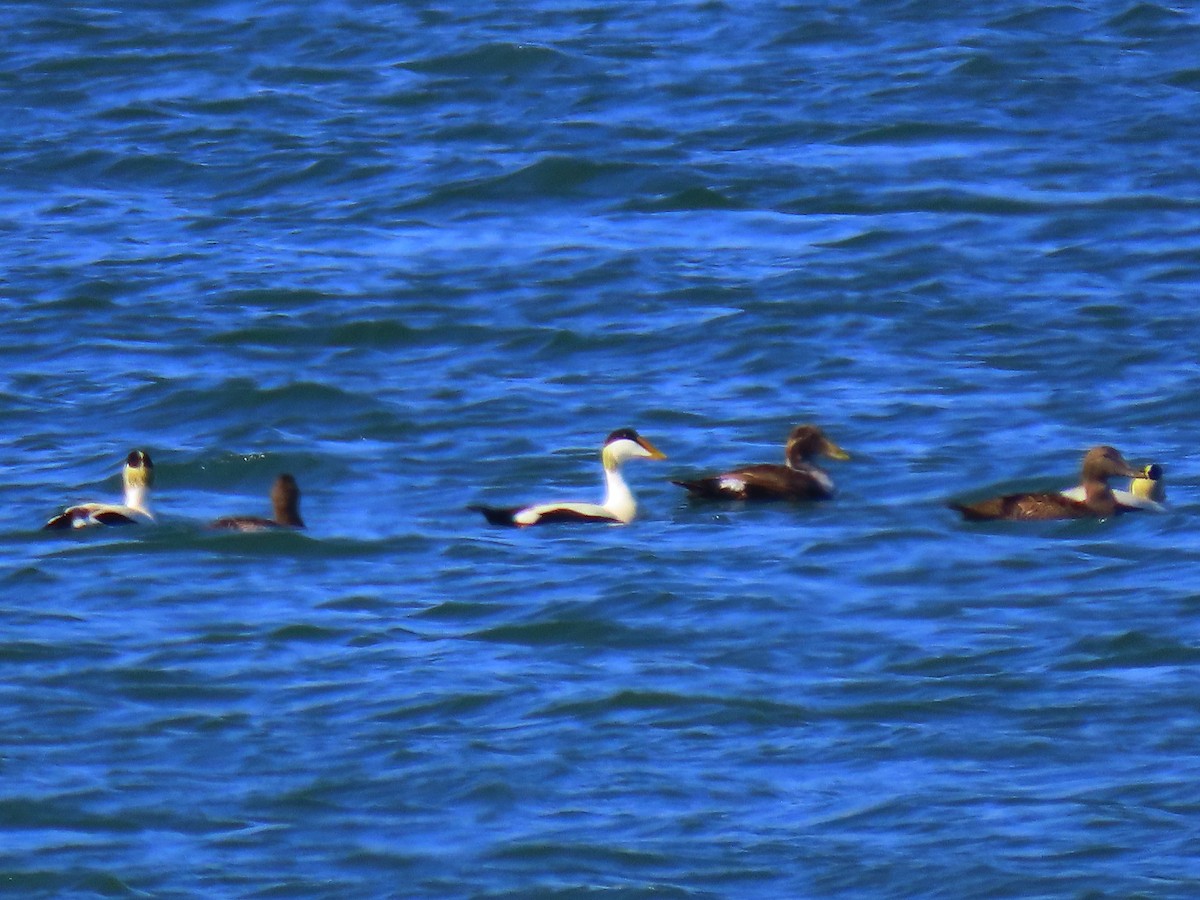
point(1100, 497)
point(618, 499)
point(137, 497)
point(799, 460)
point(1147, 489)
point(798, 463)
point(288, 515)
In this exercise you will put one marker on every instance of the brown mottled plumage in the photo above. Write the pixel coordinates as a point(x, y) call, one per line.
point(285, 498)
point(800, 479)
point(1099, 464)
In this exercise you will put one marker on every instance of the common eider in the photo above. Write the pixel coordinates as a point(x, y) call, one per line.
point(137, 476)
point(1146, 491)
point(618, 507)
point(800, 479)
point(1099, 465)
point(285, 498)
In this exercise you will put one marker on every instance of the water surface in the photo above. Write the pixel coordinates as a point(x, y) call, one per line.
point(422, 257)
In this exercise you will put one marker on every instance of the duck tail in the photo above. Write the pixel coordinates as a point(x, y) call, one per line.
point(497, 515)
point(970, 513)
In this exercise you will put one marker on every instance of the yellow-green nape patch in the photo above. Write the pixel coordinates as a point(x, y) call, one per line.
point(139, 469)
point(1149, 485)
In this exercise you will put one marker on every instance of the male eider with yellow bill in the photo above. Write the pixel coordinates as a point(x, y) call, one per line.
point(1146, 491)
point(1098, 501)
point(285, 499)
point(800, 479)
point(137, 476)
point(618, 507)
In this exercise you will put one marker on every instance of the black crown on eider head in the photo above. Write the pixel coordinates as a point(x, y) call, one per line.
point(139, 459)
point(622, 434)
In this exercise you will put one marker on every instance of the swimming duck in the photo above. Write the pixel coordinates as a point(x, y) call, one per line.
point(618, 507)
point(285, 498)
point(1099, 464)
point(1146, 491)
point(137, 476)
point(800, 479)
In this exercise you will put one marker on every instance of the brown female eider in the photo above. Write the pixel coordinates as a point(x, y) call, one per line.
point(1099, 465)
point(137, 476)
point(800, 479)
point(618, 507)
point(285, 498)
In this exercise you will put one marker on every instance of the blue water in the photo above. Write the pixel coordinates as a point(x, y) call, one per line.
point(422, 256)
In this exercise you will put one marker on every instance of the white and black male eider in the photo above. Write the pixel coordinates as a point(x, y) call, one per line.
point(1147, 491)
point(800, 479)
point(618, 507)
point(285, 499)
point(1097, 498)
point(138, 476)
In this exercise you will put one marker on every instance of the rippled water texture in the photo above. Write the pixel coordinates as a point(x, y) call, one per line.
point(422, 257)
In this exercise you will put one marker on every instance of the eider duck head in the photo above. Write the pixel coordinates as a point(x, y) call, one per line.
point(1148, 485)
point(138, 476)
point(807, 441)
point(1103, 463)
point(285, 498)
point(625, 444)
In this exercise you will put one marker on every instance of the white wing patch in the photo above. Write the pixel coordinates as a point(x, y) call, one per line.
point(823, 480)
point(87, 515)
point(1079, 493)
point(531, 515)
point(732, 483)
